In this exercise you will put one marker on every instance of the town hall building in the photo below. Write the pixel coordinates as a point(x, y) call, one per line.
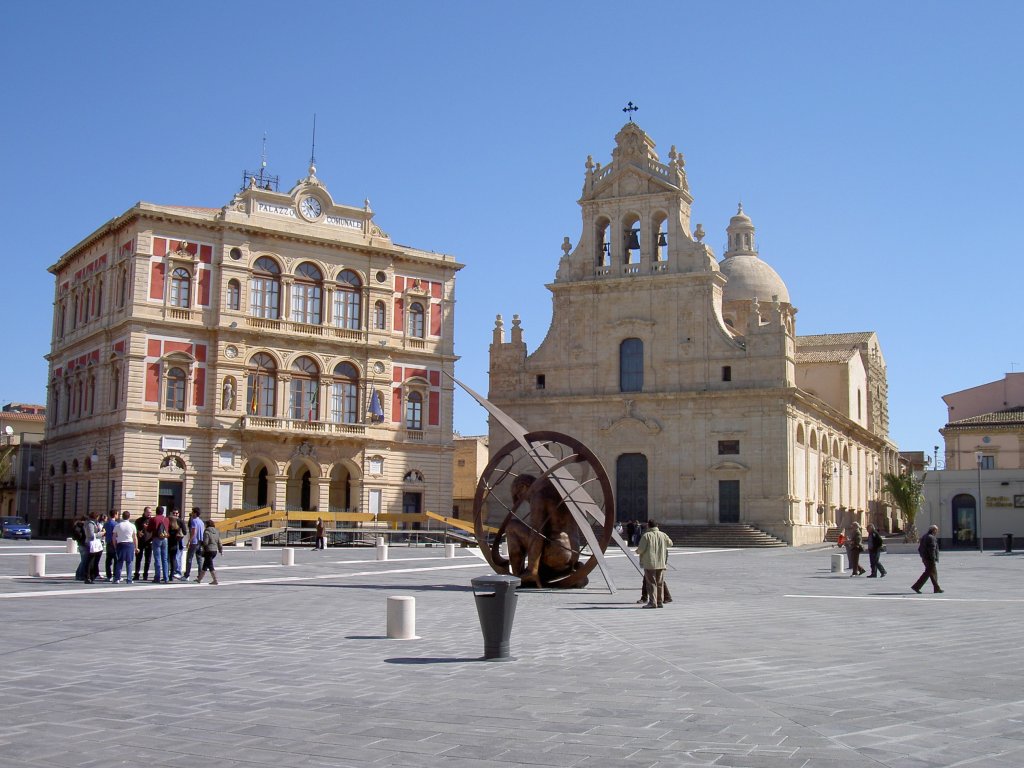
point(685, 374)
point(280, 351)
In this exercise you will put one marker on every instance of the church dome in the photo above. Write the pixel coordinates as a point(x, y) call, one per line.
point(750, 278)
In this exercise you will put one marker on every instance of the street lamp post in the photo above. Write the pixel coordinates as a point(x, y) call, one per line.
point(981, 546)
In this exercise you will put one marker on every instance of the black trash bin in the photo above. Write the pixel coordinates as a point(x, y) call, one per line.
point(1008, 541)
point(496, 605)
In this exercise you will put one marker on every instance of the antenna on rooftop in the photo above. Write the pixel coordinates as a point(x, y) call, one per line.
point(312, 151)
point(260, 179)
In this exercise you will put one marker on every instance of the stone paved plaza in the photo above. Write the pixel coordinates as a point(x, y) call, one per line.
point(765, 660)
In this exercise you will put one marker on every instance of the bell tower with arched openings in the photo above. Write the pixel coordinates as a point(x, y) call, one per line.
point(636, 215)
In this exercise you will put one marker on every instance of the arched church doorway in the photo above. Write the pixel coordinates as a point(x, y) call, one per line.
point(965, 520)
point(631, 488)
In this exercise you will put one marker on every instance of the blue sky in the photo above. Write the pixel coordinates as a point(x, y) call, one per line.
point(876, 146)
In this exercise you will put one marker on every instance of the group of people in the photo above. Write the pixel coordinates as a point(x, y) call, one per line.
point(631, 531)
point(927, 548)
point(128, 547)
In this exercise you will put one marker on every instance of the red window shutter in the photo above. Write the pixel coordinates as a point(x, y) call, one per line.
point(153, 383)
point(399, 315)
point(199, 396)
point(206, 254)
point(396, 405)
point(156, 282)
point(435, 319)
point(204, 287)
point(434, 417)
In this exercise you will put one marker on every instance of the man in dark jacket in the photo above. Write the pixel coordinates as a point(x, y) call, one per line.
point(928, 549)
point(875, 547)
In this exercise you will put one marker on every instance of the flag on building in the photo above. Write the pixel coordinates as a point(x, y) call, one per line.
point(376, 411)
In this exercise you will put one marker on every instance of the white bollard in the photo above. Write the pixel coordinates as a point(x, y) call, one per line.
point(380, 541)
point(71, 547)
point(37, 565)
point(449, 550)
point(256, 544)
point(382, 551)
point(402, 618)
point(287, 556)
point(239, 543)
point(838, 563)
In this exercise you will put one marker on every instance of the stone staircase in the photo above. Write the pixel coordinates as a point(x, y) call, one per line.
point(723, 535)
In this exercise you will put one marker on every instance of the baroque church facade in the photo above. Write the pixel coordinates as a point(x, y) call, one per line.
point(280, 351)
point(685, 374)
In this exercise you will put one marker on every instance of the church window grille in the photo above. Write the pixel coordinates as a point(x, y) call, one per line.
point(631, 365)
point(728, 447)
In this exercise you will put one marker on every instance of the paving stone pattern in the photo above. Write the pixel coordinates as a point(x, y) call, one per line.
point(765, 660)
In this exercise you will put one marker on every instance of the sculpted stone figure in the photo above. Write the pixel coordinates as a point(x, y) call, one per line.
point(545, 545)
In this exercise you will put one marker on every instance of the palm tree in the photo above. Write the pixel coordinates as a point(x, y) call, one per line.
point(906, 494)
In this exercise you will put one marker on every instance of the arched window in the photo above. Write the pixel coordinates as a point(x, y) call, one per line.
point(380, 316)
point(174, 390)
point(603, 242)
point(261, 385)
point(234, 295)
point(659, 231)
point(416, 324)
point(307, 294)
point(122, 289)
point(265, 289)
point(348, 301)
point(631, 238)
point(414, 411)
point(87, 305)
point(305, 389)
point(345, 394)
point(181, 281)
point(63, 317)
point(631, 365)
point(78, 398)
point(55, 410)
point(74, 311)
point(115, 386)
point(92, 393)
point(98, 297)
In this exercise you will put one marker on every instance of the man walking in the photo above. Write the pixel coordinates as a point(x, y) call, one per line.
point(653, 553)
point(928, 549)
point(875, 548)
point(196, 528)
point(159, 531)
point(144, 549)
point(126, 540)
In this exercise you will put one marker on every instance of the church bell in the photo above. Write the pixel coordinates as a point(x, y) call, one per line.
point(633, 240)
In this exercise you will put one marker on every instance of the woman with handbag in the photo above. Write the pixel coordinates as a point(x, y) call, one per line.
point(211, 548)
point(94, 544)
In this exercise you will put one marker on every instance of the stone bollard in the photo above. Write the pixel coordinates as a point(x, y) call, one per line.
point(257, 543)
point(838, 563)
point(71, 547)
point(382, 551)
point(287, 556)
point(449, 550)
point(402, 618)
point(37, 565)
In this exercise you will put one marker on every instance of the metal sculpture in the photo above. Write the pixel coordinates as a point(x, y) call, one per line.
point(572, 483)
